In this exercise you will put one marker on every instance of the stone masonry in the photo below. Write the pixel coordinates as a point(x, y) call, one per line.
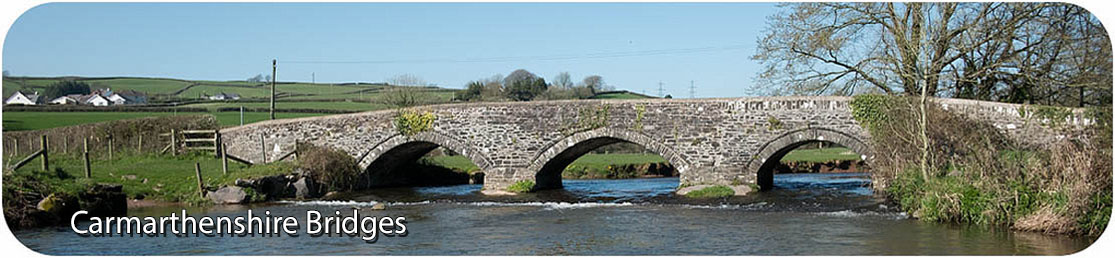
point(709, 141)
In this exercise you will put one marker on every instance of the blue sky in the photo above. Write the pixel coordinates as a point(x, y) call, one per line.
point(632, 45)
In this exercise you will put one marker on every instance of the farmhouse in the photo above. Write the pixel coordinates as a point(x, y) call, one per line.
point(20, 98)
point(102, 97)
point(67, 100)
point(97, 100)
point(225, 96)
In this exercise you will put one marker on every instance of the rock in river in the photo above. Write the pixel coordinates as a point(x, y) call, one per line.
point(228, 195)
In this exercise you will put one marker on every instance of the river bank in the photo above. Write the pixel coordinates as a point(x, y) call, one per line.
point(968, 172)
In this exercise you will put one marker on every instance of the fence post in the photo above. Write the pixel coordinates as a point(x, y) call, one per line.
point(16, 143)
point(173, 142)
point(217, 143)
point(224, 159)
point(65, 144)
point(139, 146)
point(46, 163)
point(241, 115)
point(200, 188)
point(85, 154)
point(110, 148)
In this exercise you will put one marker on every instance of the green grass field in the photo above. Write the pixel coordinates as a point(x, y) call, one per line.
point(20, 121)
point(337, 105)
point(599, 162)
point(589, 161)
point(168, 178)
point(821, 155)
point(193, 89)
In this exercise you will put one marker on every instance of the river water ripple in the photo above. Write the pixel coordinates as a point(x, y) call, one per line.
point(808, 214)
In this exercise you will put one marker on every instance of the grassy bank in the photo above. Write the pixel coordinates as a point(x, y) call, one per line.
point(821, 155)
point(977, 175)
point(626, 165)
point(149, 176)
point(588, 166)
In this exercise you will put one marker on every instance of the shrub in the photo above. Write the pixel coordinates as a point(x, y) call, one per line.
point(523, 186)
point(978, 175)
point(712, 192)
point(333, 168)
point(773, 124)
point(23, 189)
point(409, 122)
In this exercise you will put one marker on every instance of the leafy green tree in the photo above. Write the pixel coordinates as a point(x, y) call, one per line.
point(525, 90)
point(473, 91)
point(523, 85)
point(67, 87)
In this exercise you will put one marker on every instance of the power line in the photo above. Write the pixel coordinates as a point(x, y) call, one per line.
point(530, 58)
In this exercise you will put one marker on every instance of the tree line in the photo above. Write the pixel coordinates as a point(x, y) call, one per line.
point(1038, 53)
point(522, 85)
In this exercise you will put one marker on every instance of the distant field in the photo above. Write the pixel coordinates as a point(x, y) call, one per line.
point(338, 105)
point(20, 121)
point(600, 161)
point(193, 89)
point(592, 161)
point(821, 155)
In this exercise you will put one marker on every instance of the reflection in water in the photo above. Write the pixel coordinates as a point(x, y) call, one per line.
point(818, 214)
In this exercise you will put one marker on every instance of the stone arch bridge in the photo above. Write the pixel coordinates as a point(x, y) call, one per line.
point(709, 141)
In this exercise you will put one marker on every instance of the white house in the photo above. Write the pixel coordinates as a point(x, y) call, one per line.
point(19, 98)
point(66, 100)
point(97, 100)
point(117, 99)
point(225, 96)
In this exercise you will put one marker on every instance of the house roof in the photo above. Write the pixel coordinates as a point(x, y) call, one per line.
point(34, 97)
point(90, 97)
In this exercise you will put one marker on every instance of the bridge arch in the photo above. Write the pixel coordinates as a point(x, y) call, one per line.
point(772, 151)
point(380, 163)
point(548, 165)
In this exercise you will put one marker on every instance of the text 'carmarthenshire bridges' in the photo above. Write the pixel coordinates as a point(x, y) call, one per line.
point(709, 141)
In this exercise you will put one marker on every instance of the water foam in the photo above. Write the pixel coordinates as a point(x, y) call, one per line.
point(331, 203)
point(551, 205)
point(854, 214)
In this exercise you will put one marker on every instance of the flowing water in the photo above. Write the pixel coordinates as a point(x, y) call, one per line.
point(808, 214)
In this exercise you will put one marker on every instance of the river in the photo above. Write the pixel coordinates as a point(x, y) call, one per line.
point(808, 214)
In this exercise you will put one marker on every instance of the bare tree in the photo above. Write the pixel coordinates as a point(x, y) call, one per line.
point(593, 82)
point(402, 97)
point(407, 80)
point(999, 51)
point(563, 80)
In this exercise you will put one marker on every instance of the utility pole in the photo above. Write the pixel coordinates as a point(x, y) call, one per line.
point(661, 91)
point(692, 90)
point(273, 64)
point(313, 78)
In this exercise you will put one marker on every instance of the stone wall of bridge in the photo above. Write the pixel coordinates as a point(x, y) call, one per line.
point(709, 141)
